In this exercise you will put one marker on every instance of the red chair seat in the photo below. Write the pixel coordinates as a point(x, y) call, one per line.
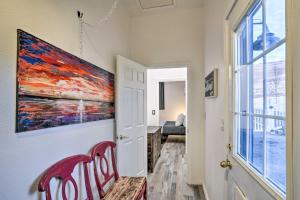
point(126, 188)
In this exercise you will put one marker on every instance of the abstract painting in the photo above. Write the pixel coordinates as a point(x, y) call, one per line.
point(56, 88)
point(211, 84)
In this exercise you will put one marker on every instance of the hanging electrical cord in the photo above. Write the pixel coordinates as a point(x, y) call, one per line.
point(98, 23)
point(109, 14)
point(80, 16)
point(106, 17)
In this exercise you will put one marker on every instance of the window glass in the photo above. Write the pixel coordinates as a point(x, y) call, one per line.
point(276, 152)
point(242, 89)
point(256, 143)
point(242, 132)
point(275, 21)
point(257, 32)
point(242, 45)
point(257, 93)
point(275, 82)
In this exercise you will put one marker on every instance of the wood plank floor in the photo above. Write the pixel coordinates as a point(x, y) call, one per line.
point(168, 181)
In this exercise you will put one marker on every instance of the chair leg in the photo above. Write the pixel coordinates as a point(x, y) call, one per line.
point(145, 192)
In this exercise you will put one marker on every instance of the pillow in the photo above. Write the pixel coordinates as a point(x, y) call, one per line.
point(179, 120)
point(184, 122)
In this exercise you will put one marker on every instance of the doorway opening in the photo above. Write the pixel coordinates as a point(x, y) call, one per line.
point(167, 111)
point(167, 101)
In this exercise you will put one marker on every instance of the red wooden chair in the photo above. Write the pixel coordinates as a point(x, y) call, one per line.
point(112, 186)
point(63, 170)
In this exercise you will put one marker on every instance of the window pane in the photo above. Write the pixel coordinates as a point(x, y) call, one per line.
point(242, 44)
point(257, 96)
point(256, 21)
point(241, 132)
point(275, 21)
point(256, 143)
point(275, 82)
point(242, 84)
point(276, 152)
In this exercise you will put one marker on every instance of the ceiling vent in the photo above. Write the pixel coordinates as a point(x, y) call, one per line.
point(150, 4)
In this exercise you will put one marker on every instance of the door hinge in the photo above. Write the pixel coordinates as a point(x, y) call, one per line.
point(229, 147)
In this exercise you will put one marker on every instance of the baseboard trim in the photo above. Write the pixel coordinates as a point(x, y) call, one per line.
point(205, 192)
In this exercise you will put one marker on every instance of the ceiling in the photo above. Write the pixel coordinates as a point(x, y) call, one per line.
point(141, 7)
point(151, 4)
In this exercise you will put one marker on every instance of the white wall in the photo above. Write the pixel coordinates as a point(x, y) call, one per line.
point(154, 76)
point(215, 138)
point(175, 38)
point(174, 101)
point(25, 156)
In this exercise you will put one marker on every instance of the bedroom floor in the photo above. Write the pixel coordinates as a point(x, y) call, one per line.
point(167, 182)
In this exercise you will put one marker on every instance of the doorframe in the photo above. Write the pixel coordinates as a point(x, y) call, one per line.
point(188, 143)
point(289, 99)
point(228, 53)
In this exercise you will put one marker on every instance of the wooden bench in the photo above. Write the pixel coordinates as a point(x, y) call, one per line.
point(110, 185)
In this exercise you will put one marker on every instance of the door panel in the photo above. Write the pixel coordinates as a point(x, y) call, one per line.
point(141, 155)
point(127, 169)
point(128, 107)
point(140, 77)
point(238, 194)
point(128, 74)
point(140, 107)
point(131, 117)
point(250, 188)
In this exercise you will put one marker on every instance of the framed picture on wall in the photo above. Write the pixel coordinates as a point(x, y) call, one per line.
point(56, 88)
point(211, 84)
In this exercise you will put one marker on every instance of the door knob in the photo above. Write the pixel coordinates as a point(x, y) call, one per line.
point(122, 137)
point(226, 164)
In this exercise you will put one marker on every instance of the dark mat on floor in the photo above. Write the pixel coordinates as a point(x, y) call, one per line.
point(176, 139)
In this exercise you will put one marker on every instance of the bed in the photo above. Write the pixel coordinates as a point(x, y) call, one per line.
point(169, 128)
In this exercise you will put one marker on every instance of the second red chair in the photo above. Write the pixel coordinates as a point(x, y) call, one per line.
point(110, 185)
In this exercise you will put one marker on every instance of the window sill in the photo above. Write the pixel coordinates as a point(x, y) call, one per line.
point(267, 186)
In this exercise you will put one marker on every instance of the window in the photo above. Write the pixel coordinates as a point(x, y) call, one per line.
point(260, 93)
point(161, 95)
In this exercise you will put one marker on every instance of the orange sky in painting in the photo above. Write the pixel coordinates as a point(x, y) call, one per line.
point(47, 71)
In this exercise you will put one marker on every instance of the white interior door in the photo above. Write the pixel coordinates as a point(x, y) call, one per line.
point(131, 102)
